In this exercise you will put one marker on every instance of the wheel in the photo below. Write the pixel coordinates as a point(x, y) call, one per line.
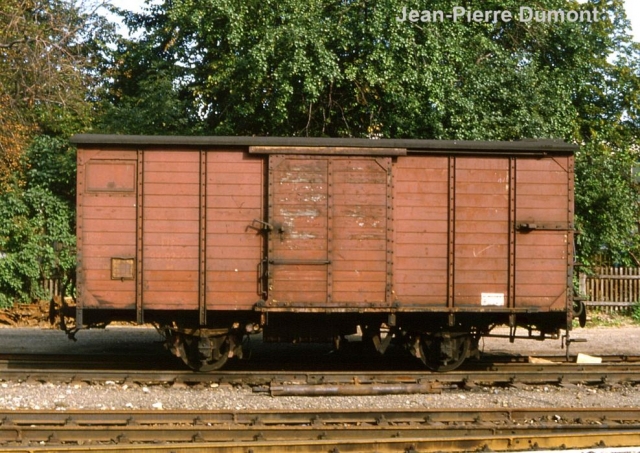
point(444, 354)
point(204, 353)
point(580, 312)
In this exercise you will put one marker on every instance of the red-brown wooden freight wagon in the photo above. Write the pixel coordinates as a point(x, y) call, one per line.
point(305, 239)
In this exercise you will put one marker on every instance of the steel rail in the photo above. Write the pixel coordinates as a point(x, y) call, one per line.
point(417, 430)
point(594, 444)
point(505, 371)
point(283, 383)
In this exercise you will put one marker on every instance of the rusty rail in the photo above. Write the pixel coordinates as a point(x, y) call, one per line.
point(37, 368)
point(261, 431)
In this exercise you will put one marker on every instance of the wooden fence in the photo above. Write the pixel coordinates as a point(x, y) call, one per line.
point(611, 288)
point(52, 286)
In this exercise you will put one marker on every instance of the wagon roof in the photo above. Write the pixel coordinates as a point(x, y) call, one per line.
point(268, 145)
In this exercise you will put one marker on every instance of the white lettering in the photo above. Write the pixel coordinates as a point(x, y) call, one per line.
point(573, 16)
point(458, 12)
point(437, 16)
point(526, 14)
point(554, 16)
point(478, 16)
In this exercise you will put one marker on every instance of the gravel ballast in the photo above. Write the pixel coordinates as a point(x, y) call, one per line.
point(119, 396)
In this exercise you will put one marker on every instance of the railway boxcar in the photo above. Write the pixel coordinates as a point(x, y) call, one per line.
point(430, 244)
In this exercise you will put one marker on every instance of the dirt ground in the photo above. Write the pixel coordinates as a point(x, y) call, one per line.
point(26, 315)
point(605, 334)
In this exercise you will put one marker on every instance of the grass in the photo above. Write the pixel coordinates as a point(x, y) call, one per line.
point(612, 319)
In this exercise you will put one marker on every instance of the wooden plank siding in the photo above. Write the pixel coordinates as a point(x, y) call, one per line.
point(544, 190)
point(421, 219)
point(171, 229)
point(170, 243)
point(481, 239)
point(461, 215)
point(328, 246)
point(234, 197)
point(106, 226)
point(219, 227)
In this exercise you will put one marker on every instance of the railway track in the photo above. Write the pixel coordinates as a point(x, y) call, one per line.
point(401, 431)
point(493, 371)
point(335, 431)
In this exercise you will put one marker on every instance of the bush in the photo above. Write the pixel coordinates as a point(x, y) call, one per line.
point(31, 222)
point(37, 222)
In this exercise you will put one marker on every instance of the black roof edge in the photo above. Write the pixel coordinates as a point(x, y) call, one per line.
point(412, 145)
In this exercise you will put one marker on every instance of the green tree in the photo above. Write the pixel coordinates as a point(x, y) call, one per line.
point(606, 96)
point(37, 223)
point(50, 164)
point(607, 205)
point(47, 52)
point(351, 69)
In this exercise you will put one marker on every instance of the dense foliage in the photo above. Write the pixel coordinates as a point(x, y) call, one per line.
point(607, 206)
point(351, 69)
point(344, 69)
point(37, 222)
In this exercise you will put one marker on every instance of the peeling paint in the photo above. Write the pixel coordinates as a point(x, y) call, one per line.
point(301, 235)
point(300, 213)
point(299, 178)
